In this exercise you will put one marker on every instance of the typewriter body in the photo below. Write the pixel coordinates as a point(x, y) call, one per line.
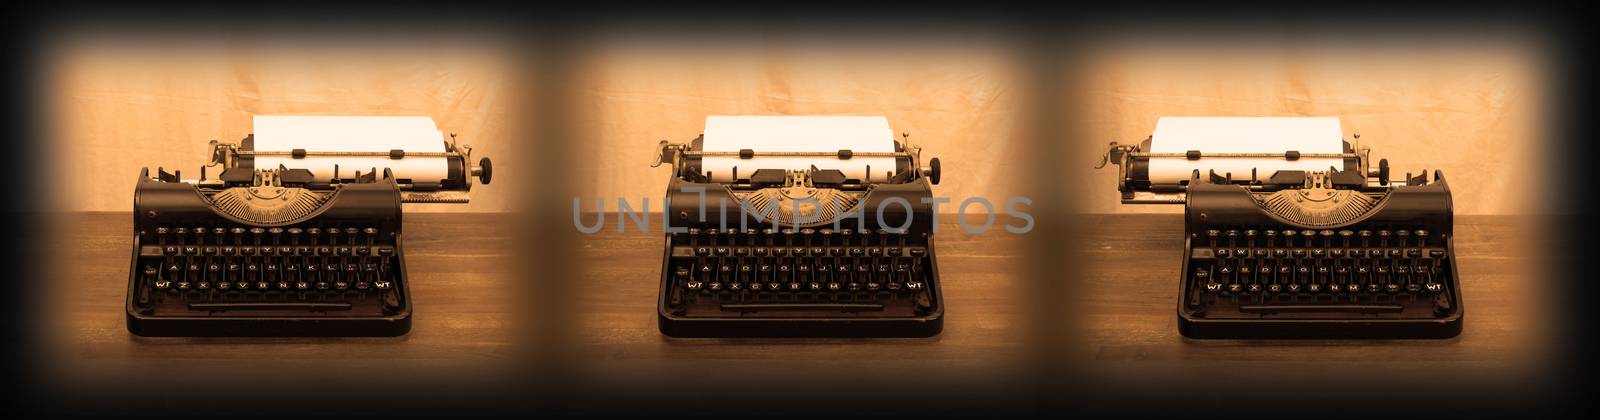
point(1300, 251)
point(285, 241)
point(772, 241)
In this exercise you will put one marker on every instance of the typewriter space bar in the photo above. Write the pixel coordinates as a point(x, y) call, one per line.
point(773, 307)
point(1364, 309)
point(285, 306)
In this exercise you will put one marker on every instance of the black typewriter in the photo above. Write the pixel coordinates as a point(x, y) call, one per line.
point(1338, 253)
point(786, 252)
point(280, 251)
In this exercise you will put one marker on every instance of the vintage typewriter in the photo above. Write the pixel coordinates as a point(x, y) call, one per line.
point(298, 234)
point(1289, 233)
point(799, 226)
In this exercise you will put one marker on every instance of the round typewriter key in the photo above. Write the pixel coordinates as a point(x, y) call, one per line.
point(302, 285)
point(1422, 233)
point(350, 231)
point(1435, 287)
point(1307, 233)
point(237, 231)
point(1254, 288)
point(203, 286)
point(314, 231)
point(914, 286)
point(371, 231)
point(1364, 233)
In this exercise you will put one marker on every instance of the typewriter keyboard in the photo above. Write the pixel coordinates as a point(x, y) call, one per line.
point(1375, 272)
point(792, 273)
point(254, 271)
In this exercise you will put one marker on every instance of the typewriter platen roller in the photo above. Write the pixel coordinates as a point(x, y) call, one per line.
point(778, 235)
point(298, 234)
point(1290, 233)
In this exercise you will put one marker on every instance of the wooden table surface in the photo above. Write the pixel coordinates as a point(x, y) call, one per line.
point(468, 334)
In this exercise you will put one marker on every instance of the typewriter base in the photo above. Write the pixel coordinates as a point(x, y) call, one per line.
point(800, 328)
point(1197, 328)
point(268, 327)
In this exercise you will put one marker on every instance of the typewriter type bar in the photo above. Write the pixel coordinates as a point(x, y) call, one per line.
point(1343, 252)
point(279, 251)
point(769, 265)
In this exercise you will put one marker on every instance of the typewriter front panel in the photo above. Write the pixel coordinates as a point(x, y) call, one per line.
point(854, 278)
point(197, 271)
point(1248, 273)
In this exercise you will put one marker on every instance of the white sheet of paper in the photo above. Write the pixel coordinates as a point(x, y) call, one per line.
point(1242, 135)
point(283, 133)
point(821, 134)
